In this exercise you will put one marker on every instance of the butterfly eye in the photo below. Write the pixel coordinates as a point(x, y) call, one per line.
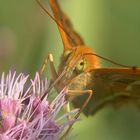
point(67, 53)
point(81, 65)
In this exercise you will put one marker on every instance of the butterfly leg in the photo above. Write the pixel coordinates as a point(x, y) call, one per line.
point(49, 59)
point(67, 109)
point(78, 93)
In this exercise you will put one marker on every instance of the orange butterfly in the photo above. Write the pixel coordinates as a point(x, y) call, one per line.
point(79, 70)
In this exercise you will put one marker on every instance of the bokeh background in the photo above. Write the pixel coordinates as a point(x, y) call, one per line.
point(111, 28)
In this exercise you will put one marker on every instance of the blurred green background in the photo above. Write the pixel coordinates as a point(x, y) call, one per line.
point(112, 28)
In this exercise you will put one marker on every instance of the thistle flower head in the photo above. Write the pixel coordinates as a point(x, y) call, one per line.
point(25, 116)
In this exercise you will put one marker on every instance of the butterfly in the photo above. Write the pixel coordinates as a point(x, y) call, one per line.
point(89, 86)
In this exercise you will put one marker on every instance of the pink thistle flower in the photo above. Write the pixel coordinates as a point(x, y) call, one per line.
point(27, 117)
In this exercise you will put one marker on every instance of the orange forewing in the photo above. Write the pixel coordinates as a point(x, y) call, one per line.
point(69, 36)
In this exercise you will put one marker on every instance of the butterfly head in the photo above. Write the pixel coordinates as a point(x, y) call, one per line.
point(75, 62)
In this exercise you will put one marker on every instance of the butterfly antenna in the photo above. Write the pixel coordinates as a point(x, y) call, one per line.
point(111, 61)
point(46, 11)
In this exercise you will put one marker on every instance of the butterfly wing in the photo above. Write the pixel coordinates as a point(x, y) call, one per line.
point(111, 86)
point(69, 36)
point(75, 39)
